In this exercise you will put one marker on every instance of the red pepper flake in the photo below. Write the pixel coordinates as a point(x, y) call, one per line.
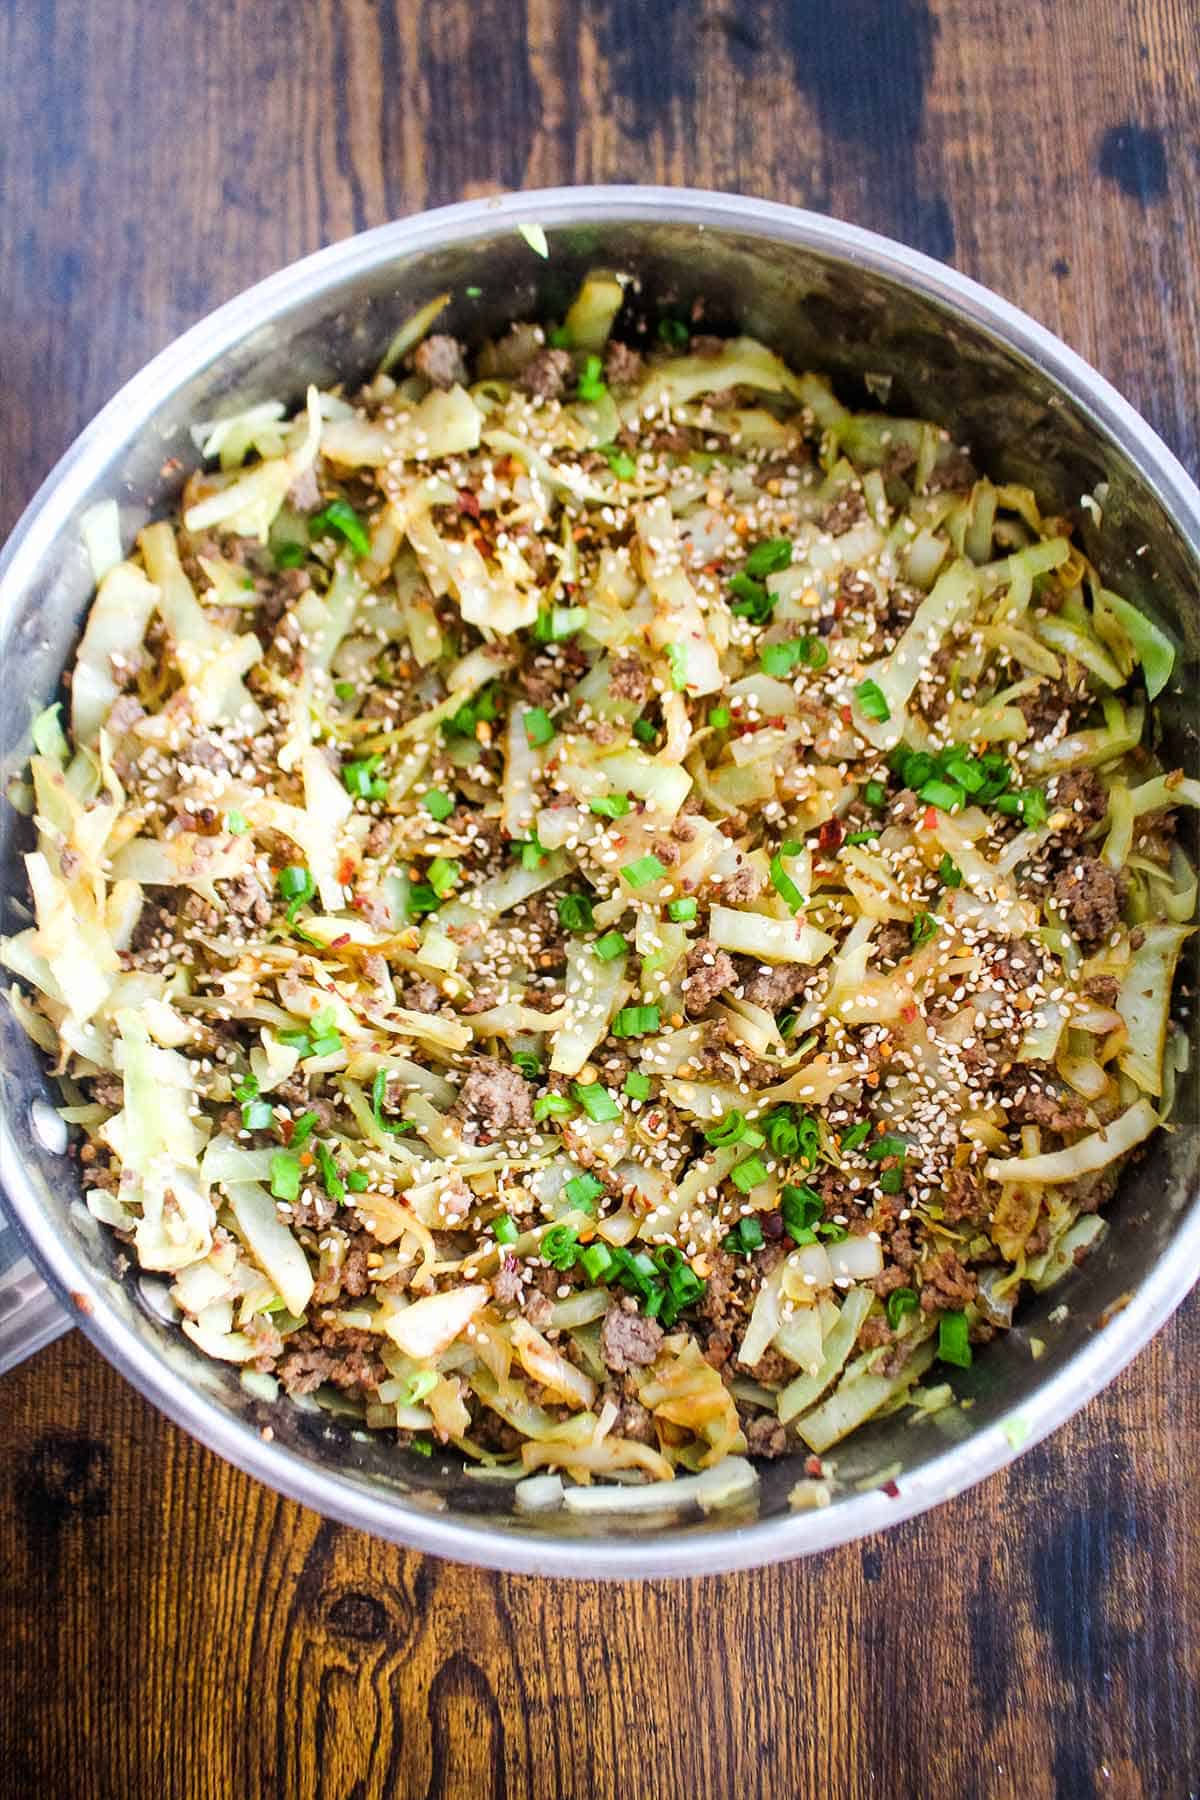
point(930, 819)
point(339, 943)
point(468, 503)
point(346, 870)
point(814, 1466)
point(908, 1013)
point(831, 835)
point(847, 715)
point(890, 1489)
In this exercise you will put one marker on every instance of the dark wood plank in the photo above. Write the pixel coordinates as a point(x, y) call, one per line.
point(167, 1627)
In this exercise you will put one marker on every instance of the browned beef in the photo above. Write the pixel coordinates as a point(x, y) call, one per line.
point(848, 510)
point(772, 1369)
point(948, 1283)
point(955, 473)
point(775, 988)
point(1082, 794)
point(545, 375)
point(345, 1358)
point(494, 1097)
point(246, 896)
point(745, 884)
point(507, 1283)
point(1036, 1103)
point(125, 714)
point(892, 941)
point(629, 679)
point(964, 1198)
point(709, 972)
point(628, 1340)
point(420, 996)
point(440, 360)
point(1089, 895)
point(1018, 964)
point(1103, 989)
point(875, 1331)
point(622, 365)
point(765, 1436)
point(1045, 707)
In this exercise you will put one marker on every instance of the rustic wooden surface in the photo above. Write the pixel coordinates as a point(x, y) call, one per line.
point(166, 1627)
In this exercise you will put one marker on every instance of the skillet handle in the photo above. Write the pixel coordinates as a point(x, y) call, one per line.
point(30, 1316)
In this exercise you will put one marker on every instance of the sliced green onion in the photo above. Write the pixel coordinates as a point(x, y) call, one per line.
point(769, 557)
point(610, 946)
point(619, 461)
point(340, 518)
point(528, 1062)
point(359, 779)
point(953, 1339)
point(783, 1131)
point(296, 886)
point(680, 911)
point(575, 912)
point(598, 1262)
point(720, 718)
point(302, 1130)
point(924, 927)
point(635, 1021)
point(258, 1115)
point(944, 795)
point(583, 1191)
point(801, 1208)
point(378, 1095)
point(745, 1238)
point(857, 1134)
point(285, 1175)
point(504, 1229)
point(885, 1146)
point(289, 556)
point(538, 727)
point(358, 1181)
point(551, 1106)
point(437, 804)
point(673, 332)
point(643, 870)
point(444, 874)
point(331, 1181)
point(677, 660)
point(236, 824)
point(591, 380)
point(596, 1101)
point(554, 624)
point(863, 837)
point(1034, 810)
point(346, 692)
point(753, 601)
point(610, 806)
point(949, 873)
point(892, 1180)
point(784, 886)
point(637, 1085)
point(560, 1246)
point(734, 1128)
point(875, 794)
point(901, 1302)
point(644, 731)
point(749, 1174)
point(871, 702)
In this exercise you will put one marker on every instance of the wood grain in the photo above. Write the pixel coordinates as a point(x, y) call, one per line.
point(169, 1628)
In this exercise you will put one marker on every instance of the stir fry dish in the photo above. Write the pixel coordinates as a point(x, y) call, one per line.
point(597, 909)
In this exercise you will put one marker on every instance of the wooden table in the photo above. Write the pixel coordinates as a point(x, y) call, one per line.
point(169, 1628)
